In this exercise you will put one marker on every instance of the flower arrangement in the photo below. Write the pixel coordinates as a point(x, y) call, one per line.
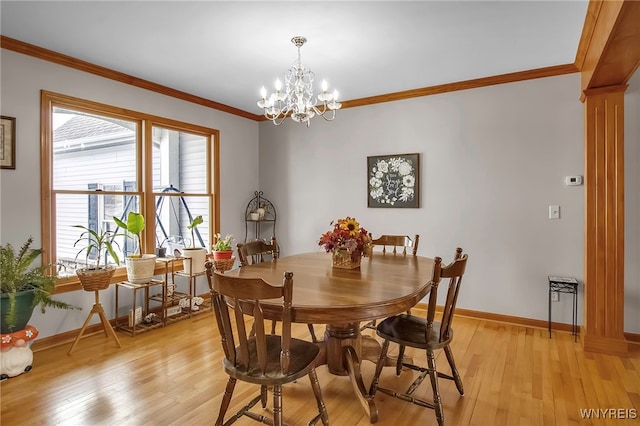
point(347, 234)
point(222, 244)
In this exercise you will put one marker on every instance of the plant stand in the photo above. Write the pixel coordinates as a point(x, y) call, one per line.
point(99, 310)
point(259, 216)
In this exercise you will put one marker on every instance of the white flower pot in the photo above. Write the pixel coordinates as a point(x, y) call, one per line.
point(140, 269)
point(195, 255)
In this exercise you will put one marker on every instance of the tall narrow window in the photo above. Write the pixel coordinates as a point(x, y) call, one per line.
point(100, 161)
point(180, 184)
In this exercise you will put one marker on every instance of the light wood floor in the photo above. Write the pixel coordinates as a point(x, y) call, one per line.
point(512, 375)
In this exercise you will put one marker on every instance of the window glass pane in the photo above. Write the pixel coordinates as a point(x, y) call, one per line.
point(90, 149)
point(96, 213)
point(179, 161)
point(173, 214)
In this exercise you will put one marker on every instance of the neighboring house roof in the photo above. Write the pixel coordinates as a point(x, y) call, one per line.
point(84, 129)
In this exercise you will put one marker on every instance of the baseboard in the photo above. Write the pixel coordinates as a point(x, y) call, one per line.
point(605, 345)
point(632, 338)
point(69, 336)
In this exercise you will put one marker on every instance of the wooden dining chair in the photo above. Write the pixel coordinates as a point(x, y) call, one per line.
point(395, 244)
point(425, 333)
point(263, 359)
point(259, 251)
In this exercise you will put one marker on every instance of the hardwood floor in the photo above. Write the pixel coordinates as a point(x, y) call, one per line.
point(512, 375)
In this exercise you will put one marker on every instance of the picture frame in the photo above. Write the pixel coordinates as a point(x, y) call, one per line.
point(393, 181)
point(7, 142)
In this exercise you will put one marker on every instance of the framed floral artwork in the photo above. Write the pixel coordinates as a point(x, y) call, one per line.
point(393, 181)
point(7, 143)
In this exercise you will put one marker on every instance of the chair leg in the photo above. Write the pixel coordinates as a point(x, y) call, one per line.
point(277, 405)
point(399, 360)
point(312, 331)
point(433, 374)
point(454, 370)
point(226, 399)
point(273, 326)
point(322, 409)
point(263, 396)
point(379, 365)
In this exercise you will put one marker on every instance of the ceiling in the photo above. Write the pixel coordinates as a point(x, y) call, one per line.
point(226, 51)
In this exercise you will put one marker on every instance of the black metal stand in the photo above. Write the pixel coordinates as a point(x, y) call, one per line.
point(259, 215)
point(569, 286)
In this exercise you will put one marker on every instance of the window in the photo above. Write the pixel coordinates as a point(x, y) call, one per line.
point(100, 161)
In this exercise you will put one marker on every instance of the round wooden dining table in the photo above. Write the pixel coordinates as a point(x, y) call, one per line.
point(385, 284)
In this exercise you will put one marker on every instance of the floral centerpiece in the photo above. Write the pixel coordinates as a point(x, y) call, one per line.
point(347, 242)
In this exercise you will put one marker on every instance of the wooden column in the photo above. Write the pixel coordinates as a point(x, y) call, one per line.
point(603, 329)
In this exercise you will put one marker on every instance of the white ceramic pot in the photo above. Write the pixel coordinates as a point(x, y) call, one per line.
point(195, 255)
point(140, 269)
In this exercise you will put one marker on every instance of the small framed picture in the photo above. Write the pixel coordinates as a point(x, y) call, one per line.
point(393, 181)
point(8, 143)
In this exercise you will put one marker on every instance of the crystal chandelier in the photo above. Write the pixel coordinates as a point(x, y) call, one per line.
point(297, 99)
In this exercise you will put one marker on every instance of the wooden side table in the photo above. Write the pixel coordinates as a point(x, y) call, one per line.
point(135, 287)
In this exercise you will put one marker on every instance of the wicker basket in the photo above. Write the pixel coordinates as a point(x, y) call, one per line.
point(223, 265)
point(95, 279)
point(344, 259)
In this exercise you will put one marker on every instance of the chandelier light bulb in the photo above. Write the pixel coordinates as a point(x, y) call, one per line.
point(297, 100)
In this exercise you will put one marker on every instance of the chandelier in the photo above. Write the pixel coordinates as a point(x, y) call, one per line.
point(297, 99)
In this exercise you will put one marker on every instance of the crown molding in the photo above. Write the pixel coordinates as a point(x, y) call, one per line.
point(68, 61)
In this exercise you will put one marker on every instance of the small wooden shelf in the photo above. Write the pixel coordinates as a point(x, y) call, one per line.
point(162, 299)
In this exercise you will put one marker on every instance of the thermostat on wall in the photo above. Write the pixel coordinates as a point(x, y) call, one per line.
point(573, 180)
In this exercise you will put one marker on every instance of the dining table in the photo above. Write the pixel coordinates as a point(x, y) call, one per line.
point(385, 284)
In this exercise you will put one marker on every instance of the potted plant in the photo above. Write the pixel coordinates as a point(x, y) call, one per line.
point(140, 267)
point(194, 256)
point(23, 286)
point(222, 247)
point(96, 277)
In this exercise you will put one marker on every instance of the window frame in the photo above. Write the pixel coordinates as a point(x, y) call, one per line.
point(144, 169)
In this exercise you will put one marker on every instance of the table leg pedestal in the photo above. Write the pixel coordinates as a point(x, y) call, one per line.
point(342, 344)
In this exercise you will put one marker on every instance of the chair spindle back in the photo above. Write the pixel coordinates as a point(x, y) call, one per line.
point(257, 251)
point(454, 271)
point(246, 296)
point(396, 242)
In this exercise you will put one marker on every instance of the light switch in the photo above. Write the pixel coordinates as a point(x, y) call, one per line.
point(554, 212)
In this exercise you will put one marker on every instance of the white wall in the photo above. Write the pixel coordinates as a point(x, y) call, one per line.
point(632, 205)
point(22, 78)
point(492, 161)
